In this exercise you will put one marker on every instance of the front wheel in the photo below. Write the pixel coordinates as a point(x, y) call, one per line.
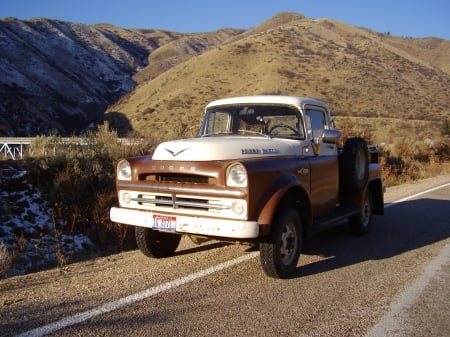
point(361, 223)
point(156, 244)
point(279, 254)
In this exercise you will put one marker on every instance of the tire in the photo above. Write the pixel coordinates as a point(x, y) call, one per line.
point(354, 165)
point(279, 254)
point(156, 244)
point(361, 223)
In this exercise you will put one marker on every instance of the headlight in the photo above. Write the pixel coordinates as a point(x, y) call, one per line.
point(236, 175)
point(123, 170)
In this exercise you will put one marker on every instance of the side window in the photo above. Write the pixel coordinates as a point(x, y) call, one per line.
point(316, 124)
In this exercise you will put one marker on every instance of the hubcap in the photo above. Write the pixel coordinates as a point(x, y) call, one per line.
point(365, 213)
point(288, 244)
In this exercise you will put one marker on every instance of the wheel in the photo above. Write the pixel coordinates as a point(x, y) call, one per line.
point(282, 126)
point(361, 223)
point(279, 254)
point(156, 244)
point(354, 164)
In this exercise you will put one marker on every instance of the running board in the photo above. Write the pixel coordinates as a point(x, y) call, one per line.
point(336, 219)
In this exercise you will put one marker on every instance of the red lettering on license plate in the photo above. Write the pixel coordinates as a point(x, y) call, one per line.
point(164, 222)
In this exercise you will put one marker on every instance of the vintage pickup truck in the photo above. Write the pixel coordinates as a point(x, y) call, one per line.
point(265, 170)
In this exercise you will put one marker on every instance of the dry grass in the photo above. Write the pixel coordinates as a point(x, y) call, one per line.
point(403, 157)
point(78, 181)
point(6, 259)
point(359, 73)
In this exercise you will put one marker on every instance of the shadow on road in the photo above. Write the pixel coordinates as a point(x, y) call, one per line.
point(200, 248)
point(405, 226)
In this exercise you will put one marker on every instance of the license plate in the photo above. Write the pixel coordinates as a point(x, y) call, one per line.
point(164, 222)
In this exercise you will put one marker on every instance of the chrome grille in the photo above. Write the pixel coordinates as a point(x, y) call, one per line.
point(177, 178)
point(178, 202)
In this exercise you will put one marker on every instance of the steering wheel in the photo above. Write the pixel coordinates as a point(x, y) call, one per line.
point(283, 126)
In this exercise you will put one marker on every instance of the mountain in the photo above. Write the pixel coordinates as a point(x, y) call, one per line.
point(358, 72)
point(59, 77)
point(65, 76)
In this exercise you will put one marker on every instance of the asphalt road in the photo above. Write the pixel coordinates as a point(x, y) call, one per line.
point(392, 282)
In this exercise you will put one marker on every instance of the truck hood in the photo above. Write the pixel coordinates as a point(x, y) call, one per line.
point(225, 148)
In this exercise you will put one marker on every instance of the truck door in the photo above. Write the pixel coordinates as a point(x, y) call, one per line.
point(324, 165)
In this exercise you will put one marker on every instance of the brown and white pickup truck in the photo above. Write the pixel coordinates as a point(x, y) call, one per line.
point(265, 170)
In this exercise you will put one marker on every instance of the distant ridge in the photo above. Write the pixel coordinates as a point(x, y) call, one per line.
point(357, 71)
point(61, 77)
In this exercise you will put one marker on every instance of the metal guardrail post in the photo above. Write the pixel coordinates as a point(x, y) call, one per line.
point(13, 149)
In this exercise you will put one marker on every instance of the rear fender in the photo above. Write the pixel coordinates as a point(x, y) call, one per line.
point(376, 188)
point(357, 199)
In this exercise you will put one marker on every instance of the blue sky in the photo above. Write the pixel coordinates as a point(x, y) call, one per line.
point(412, 18)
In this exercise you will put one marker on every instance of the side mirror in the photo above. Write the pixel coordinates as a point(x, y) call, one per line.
point(331, 136)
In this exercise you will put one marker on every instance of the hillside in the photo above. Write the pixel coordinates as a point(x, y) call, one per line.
point(62, 77)
point(59, 77)
point(357, 71)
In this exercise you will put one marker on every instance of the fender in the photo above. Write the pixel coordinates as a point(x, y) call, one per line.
point(270, 200)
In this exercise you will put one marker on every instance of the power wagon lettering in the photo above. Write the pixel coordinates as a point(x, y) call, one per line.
point(260, 151)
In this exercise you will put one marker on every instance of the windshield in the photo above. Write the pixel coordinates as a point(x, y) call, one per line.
point(259, 120)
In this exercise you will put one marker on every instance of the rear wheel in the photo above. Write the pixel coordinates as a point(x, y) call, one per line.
point(279, 254)
point(156, 244)
point(361, 223)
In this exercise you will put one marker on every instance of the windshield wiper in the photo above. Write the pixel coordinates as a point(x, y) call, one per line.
point(213, 134)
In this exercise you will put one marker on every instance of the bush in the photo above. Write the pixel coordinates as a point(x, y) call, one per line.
point(403, 159)
point(6, 259)
point(77, 177)
point(445, 128)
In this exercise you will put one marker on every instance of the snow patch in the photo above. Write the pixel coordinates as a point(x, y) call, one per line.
point(28, 229)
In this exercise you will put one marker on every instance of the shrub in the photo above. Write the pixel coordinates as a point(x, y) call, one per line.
point(77, 177)
point(6, 259)
point(403, 159)
point(445, 127)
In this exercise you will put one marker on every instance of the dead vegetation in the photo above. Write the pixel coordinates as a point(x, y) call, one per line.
point(6, 258)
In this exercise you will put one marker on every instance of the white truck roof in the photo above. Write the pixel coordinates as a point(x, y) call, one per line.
point(268, 99)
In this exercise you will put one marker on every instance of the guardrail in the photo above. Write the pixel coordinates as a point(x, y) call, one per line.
point(13, 147)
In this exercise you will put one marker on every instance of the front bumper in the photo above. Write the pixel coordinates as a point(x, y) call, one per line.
point(236, 229)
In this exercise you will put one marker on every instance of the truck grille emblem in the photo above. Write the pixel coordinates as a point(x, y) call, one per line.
point(175, 153)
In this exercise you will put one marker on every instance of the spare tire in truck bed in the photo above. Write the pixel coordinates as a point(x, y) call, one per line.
point(354, 164)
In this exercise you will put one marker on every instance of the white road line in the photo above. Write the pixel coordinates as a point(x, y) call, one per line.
point(107, 307)
point(416, 195)
point(111, 306)
point(391, 324)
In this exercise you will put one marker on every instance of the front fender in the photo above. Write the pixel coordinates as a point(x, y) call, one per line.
point(270, 200)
